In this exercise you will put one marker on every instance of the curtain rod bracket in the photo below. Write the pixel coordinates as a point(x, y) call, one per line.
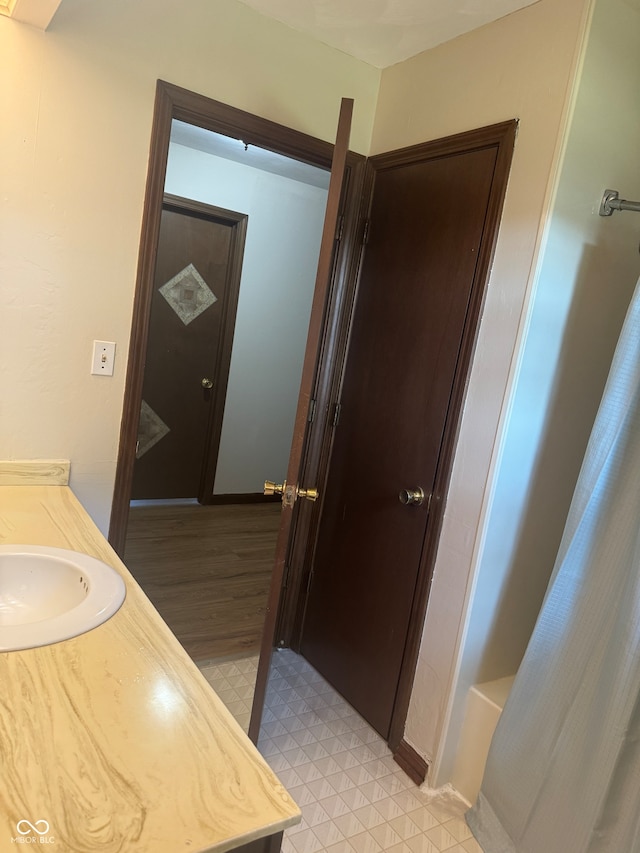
point(611, 201)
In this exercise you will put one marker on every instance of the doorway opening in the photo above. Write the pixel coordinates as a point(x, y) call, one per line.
point(206, 561)
point(220, 387)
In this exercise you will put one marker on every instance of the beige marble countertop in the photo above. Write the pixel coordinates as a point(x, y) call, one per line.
point(114, 738)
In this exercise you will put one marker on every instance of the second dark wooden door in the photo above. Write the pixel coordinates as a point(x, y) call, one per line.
point(426, 227)
point(189, 350)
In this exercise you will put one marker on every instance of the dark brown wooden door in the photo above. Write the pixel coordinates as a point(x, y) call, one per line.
point(300, 429)
point(426, 227)
point(192, 318)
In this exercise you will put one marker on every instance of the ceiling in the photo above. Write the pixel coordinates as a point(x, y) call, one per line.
point(38, 13)
point(383, 32)
point(379, 32)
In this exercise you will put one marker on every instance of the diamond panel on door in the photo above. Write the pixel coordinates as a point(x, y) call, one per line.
point(188, 294)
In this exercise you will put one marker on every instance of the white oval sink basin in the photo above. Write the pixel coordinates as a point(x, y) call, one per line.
point(51, 594)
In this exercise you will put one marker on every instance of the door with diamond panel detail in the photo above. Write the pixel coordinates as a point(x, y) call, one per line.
point(196, 285)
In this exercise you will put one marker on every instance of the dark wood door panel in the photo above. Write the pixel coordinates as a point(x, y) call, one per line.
point(191, 328)
point(426, 227)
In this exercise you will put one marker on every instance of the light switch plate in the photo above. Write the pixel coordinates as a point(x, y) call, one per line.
point(104, 354)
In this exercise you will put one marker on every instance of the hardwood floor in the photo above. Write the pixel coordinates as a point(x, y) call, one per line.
point(206, 569)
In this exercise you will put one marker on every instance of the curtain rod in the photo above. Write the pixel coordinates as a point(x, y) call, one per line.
point(611, 201)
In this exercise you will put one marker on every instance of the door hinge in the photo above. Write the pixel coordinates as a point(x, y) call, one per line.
point(336, 414)
point(312, 411)
point(365, 232)
point(340, 227)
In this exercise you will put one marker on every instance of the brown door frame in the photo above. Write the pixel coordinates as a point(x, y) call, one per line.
point(175, 102)
point(502, 136)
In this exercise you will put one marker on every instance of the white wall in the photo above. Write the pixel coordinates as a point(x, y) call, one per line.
point(586, 278)
point(521, 66)
point(278, 277)
point(77, 104)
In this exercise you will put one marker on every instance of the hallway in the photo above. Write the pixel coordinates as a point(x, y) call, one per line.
point(207, 570)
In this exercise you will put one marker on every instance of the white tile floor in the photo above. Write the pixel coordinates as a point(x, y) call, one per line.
point(233, 681)
point(353, 796)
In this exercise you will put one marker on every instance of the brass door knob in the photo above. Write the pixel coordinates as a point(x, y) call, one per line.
point(310, 494)
point(412, 497)
point(271, 488)
point(207, 383)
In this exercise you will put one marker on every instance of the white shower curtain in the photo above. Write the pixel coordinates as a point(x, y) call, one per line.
point(563, 772)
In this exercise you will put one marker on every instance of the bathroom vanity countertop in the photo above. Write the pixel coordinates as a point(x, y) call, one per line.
point(114, 738)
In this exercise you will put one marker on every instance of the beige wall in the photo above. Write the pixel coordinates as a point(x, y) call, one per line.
point(519, 67)
point(74, 142)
